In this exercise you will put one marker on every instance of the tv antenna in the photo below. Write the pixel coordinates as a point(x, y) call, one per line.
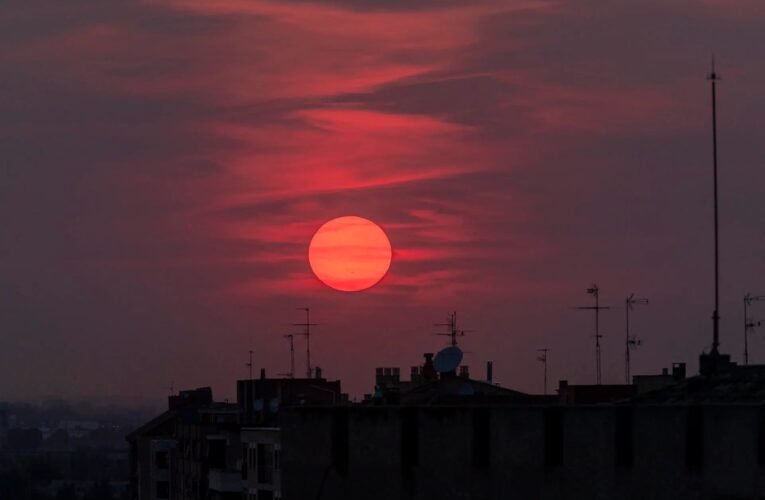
point(307, 334)
point(630, 342)
point(451, 329)
point(543, 359)
point(749, 323)
point(249, 364)
point(713, 77)
point(594, 291)
point(291, 338)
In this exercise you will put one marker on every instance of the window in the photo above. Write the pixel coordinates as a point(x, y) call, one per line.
point(265, 495)
point(252, 453)
point(761, 438)
point(265, 464)
point(163, 489)
point(245, 461)
point(216, 453)
point(553, 436)
point(481, 437)
point(160, 460)
point(694, 438)
point(623, 451)
point(410, 439)
point(340, 441)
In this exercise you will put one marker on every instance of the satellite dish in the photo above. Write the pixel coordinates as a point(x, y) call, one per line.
point(448, 359)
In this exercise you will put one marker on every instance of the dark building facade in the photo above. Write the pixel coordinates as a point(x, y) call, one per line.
point(701, 438)
point(260, 400)
point(447, 436)
point(189, 452)
point(202, 449)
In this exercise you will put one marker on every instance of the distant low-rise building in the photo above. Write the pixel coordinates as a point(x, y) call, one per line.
point(649, 383)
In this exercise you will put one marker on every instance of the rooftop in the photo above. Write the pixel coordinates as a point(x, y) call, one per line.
point(734, 384)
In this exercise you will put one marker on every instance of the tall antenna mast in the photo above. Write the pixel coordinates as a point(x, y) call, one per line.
point(630, 342)
point(451, 329)
point(249, 364)
point(749, 323)
point(713, 77)
point(543, 358)
point(307, 333)
point(594, 291)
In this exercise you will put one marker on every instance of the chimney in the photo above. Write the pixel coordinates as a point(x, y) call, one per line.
point(428, 370)
point(563, 391)
point(464, 371)
point(317, 371)
point(490, 372)
point(262, 373)
point(678, 371)
point(665, 371)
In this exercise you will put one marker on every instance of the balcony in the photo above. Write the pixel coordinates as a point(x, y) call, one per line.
point(225, 481)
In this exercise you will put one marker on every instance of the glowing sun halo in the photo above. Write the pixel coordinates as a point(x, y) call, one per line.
point(350, 253)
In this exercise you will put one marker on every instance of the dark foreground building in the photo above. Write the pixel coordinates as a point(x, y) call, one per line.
point(208, 450)
point(702, 438)
point(446, 436)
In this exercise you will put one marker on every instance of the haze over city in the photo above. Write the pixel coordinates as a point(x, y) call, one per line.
point(165, 165)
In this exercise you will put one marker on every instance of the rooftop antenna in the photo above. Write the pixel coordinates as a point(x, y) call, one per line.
point(749, 323)
point(249, 364)
point(291, 339)
point(713, 77)
point(307, 333)
point(594, 291)
point(543, 358)
point(172, 387)
point(630, 342)
point(451, 329)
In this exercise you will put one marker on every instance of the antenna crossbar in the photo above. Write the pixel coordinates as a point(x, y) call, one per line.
point(749, 323)
point(543, 359)
point(595, 292)
point(630, 342)
point(307, 334)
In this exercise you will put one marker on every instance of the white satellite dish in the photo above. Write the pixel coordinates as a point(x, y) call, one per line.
point(448, 359)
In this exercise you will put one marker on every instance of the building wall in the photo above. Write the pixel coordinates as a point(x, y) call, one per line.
point(188, 466)
point(159, 484)
point(596, 452)
point(143, 470)
point(256, 442)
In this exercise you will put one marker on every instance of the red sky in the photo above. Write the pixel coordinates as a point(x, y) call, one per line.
point(164, 165)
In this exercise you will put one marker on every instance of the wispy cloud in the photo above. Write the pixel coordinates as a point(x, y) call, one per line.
point(167, 162)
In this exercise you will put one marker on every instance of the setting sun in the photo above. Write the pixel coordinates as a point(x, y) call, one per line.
point(350, 253)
